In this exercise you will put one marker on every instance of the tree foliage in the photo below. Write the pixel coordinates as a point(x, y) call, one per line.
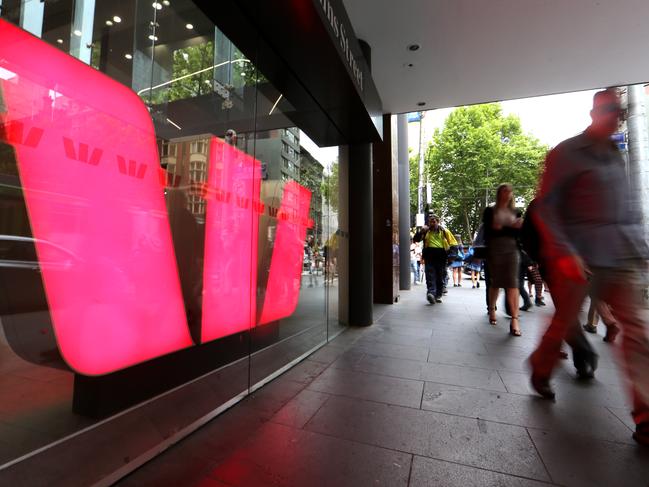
point(413, 167)
point(477, 149)
point(188, 62)
point(330, 187)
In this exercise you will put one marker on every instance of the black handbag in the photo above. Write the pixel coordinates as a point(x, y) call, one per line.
point(480, 252)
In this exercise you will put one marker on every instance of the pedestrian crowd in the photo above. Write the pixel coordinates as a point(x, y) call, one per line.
point(580, 237)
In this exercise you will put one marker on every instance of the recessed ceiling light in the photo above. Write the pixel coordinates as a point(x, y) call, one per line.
point(189, 26)
point(128, 56)
point(77, 33)
point(414, 47)
point(165, 3)
point(157, 5)
point(109, 23)
point(421, 103)
point(117, 19)
point(153, 38)
point(60, 41)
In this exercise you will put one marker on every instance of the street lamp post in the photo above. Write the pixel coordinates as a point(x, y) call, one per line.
point(421, 183)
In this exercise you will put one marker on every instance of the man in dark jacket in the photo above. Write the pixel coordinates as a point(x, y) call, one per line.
point(589, 227)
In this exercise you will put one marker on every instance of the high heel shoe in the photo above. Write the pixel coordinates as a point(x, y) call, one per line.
point(492, 317)
point(512, 331)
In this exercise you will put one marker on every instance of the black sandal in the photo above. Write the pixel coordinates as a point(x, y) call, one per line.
point(492, 321)
point(512, 332)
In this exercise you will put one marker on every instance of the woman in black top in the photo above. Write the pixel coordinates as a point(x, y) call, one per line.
point(502, 225)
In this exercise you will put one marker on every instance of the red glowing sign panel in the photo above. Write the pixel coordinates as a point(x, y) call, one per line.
point(231, 242)
point(88, 163)
point(87, 159)
point(284, 280)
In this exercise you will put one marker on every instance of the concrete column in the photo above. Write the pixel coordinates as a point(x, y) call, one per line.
point(361, 253)
point(404, 202)
point(361, 228)
point(385, 207)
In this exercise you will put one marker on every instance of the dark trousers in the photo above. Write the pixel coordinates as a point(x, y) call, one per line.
point(435, 269)
point(568, 297)
point(522, 271)
point(534, 276)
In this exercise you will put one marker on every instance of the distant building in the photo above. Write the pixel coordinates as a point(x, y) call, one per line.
point(186, 163)
point(279, 153)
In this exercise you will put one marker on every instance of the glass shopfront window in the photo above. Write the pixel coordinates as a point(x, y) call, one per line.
point(144, 214)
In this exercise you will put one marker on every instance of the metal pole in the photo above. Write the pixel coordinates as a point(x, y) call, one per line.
point(638, 166)
point(638, 152)
point(420, 184)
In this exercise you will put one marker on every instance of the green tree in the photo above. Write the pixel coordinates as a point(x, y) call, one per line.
point(477, 149)
point(413, 163)
point(194, 63)
point(330, 187)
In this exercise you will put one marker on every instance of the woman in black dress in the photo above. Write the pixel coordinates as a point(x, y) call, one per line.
point(502, 225)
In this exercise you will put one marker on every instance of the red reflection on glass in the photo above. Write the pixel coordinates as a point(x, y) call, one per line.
point(284, 279)
point(231, 231)
point(87, 159)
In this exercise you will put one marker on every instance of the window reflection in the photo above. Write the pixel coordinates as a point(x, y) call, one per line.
point(255, 270)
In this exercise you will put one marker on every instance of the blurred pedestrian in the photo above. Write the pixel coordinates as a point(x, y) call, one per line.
point(414, 264)
point(420, 263)
point(589, 226)
point(599, 309)
point(502, 224)
point(474, 265)
point(534, 280)
point(525, 264)
point(436, 242)
point(457, 262)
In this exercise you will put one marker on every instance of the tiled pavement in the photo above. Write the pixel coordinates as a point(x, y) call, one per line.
point(427, 396)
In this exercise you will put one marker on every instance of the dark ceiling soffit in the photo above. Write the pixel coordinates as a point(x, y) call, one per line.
point(288, 42)
point(341, 31)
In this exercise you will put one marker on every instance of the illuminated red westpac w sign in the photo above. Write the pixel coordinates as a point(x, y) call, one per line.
point(88, 163)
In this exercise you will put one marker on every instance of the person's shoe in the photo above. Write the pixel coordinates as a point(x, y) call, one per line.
point(473, 286)
point(516, 332)
point(525, 307)
point(585, 372)
point(641, 434)
point(542, 386)
point(539, 302)
point(430, 298)
point(587, 366)
point(438, 300)
point(611, 333)
point(492, 317)
point(478, 284)
point(445, 291)
point(590, 328)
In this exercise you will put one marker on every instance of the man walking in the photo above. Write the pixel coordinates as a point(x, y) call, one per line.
point(437, 240)
point(589, 227)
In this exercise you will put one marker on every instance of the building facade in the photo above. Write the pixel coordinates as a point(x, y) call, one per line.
point(157, 208)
